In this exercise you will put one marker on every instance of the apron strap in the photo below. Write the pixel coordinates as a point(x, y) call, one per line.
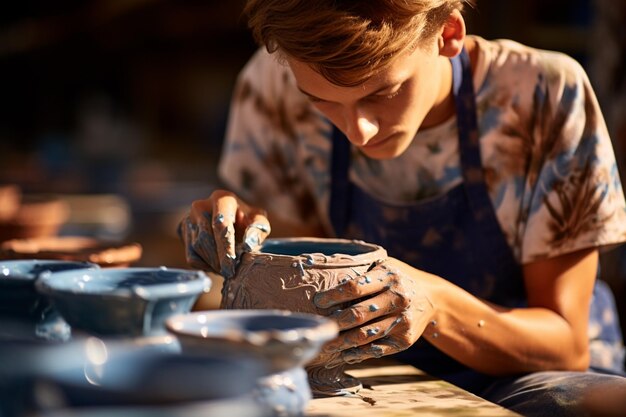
point(469, 147)
point(340, 190)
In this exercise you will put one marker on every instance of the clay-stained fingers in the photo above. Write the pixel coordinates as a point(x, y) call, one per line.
point(256, 231)
point(385, 337)
point(357, 286)
point(224, 213)
point(208, 232)
point(214, 227)
point(382, 304)
point(200, 249)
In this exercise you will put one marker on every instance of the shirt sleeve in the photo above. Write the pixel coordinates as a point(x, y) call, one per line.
point(574, 195)
point(260, 159)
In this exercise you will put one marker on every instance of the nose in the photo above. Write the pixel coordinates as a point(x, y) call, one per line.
point(361, 128)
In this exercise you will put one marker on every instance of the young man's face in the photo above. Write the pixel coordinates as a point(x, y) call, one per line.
point(382, 115)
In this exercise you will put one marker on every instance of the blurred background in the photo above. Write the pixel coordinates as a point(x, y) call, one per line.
point(119, 106)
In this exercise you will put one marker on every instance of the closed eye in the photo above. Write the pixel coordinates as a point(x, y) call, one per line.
point(388, 95)
point(314, 99)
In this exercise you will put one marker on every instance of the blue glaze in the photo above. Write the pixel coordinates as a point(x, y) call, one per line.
point(273, 334)
point(285, 341)
point(104, 373)
point(148, 283)
point(50, 327)
point(18, 295)
point(123, 301)
point(372, 332)
point(295, 247)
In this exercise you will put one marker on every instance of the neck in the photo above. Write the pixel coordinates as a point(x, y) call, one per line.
point(444, 105)
point(443, 108)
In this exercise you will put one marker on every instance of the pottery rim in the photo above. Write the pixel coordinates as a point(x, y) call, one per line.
point(63, 282)
point(321, 330)
point(365, 252)
point(22, 270)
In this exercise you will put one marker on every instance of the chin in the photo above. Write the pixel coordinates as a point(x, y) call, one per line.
point(389, 149)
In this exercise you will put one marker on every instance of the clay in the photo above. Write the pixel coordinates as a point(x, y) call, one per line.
point(286, 274)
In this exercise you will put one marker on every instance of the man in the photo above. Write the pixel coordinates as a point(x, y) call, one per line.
point(484, 168)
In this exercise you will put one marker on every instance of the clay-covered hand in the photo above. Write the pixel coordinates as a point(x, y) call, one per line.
point(387, 311)
point(219, 227)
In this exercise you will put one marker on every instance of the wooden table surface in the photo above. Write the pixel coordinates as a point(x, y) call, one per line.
point(396, 390)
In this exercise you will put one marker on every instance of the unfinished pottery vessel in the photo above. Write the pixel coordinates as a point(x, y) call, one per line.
point(286, 273)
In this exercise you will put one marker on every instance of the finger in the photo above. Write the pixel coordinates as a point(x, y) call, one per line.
point(382, 304)
point(187, 231)
point(396, 339)
point(363, 335)
point(355, 287)
point(256, 232)
point(200, 248)
point(377, 349)
point(382, 347)
point(223, 225)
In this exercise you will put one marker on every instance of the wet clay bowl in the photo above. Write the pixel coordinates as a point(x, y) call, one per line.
point(18, 296)
point(129, 301)
point(286, 273)
point(97, 374)
point(73, 248)
point(283, 340)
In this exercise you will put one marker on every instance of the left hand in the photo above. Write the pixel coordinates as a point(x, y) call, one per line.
point(388, 312)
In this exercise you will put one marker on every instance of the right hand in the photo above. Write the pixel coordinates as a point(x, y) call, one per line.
point(216, 227)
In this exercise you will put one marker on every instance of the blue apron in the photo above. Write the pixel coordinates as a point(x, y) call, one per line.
point(455, 235)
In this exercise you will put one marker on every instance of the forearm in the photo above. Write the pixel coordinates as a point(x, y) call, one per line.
point(550, 334)
point(495, 340)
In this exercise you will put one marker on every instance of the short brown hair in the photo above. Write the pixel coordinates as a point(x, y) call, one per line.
point(346, 41)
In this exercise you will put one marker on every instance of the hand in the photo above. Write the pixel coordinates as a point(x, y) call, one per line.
point(217, 227)
point(388, 311)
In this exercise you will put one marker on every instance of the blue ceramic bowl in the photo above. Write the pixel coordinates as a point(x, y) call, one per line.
point(95, 374)
point(282, 338)
point(18, 296)
point(123, 301)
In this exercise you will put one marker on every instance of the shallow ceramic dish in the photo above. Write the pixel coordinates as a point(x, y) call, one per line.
point(130, 301)
point(18, 296)
point(284, 340)
point(95, 374)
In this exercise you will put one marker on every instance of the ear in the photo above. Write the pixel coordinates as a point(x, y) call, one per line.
point(452, 36)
